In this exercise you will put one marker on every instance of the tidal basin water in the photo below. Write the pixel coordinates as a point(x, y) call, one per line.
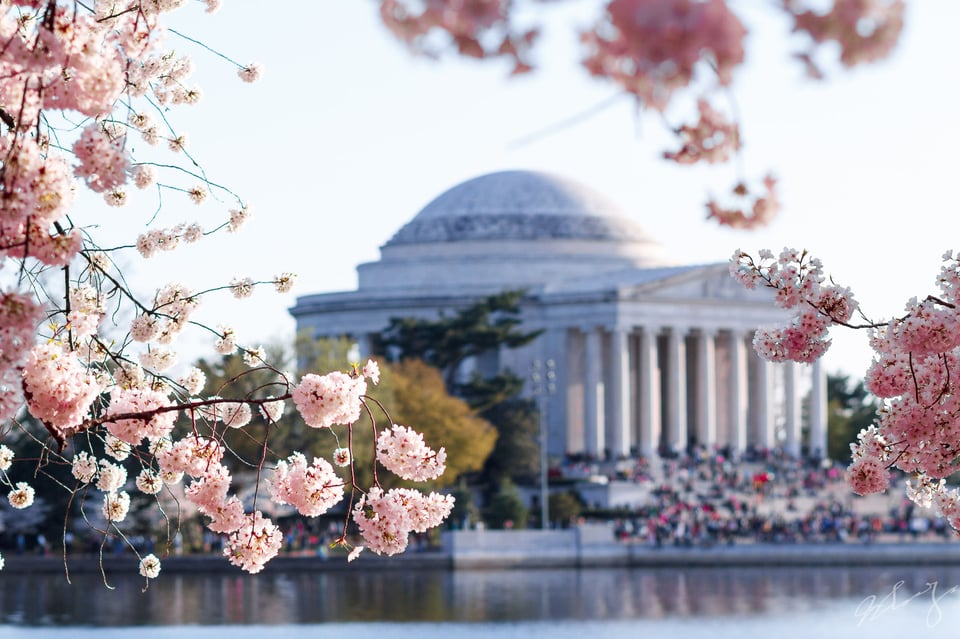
point(785, 603)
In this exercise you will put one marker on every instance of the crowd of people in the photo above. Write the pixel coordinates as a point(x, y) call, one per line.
point(703, 499)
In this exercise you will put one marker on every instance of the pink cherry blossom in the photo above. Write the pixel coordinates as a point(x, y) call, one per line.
point(139, 401)
point(59, 387)
point(751, 214)
point(402, 451)
point(311, 489)
point(711, 139)
point(868, 475)
point(325, 400)
point(865, 30)
point(651, 48)
point(255, 543)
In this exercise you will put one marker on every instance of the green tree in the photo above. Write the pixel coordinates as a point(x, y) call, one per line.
point(564, 508)
point(506, 509)
point(447, 342)
point(420, 400)
point(516, 455)
point(850, 408)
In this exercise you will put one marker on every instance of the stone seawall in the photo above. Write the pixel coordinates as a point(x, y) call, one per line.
point(589, 546)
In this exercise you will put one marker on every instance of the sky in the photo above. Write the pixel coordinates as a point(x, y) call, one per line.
point(348, 136)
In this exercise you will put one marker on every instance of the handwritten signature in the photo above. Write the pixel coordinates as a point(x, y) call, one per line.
point(874, 606)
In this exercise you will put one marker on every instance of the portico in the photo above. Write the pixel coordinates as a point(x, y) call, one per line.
point(643, 390)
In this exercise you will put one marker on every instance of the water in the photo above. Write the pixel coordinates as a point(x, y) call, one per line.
point(717, 603)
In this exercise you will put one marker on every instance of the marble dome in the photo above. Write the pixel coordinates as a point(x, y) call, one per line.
point(519, 205)
point(507, 230)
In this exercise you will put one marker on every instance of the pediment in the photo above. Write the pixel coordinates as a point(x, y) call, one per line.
point(710, 282)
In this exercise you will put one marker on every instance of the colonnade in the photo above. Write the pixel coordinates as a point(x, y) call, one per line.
point(629, 391)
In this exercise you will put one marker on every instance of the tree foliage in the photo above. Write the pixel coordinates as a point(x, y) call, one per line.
point(419, 397)
point(516, 456)
point(490, 324)
point(445, 343)
point(506, 508)
point(850, 409)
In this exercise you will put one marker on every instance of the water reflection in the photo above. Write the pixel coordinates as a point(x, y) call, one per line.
point(462, 596)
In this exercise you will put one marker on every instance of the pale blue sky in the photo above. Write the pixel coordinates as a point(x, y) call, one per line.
point(347, 136)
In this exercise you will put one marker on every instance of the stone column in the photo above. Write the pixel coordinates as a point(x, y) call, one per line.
point(364, 346)
point(737, 387)
point(555, 341)
point(650, 424)
point(792, 444)
point(619, 429)
point(676, 390)
point(818, 412)
point(764, 404)
point(593, 421)
point(707, 389)
point(575, 392)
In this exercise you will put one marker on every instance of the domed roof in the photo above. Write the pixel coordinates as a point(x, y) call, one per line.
point(515, 229)
point(519, 205)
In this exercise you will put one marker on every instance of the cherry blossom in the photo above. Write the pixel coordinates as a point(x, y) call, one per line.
point(711, 139)
point(371, 370)
point(325, 400)
point(866, 30)
point(59, 388)
point(84, 467)
point(651, 48)
point(149, 566)
point(402, 451)
point(255, 543)
point(21, 496)
point(311, 489)
point(341, 457)
point(914, 373)
point(6, 457)
point(115, 506)
point(149, 482)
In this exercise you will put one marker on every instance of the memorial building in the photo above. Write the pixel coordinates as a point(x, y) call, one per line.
point(644, 355)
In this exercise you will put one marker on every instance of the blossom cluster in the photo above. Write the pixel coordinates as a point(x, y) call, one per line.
point(386, 519)
point(87, 92)
point(59, 388)
point(712, 139)
point(749, 214)
point(870, 455)
point(865, 30)
point(325, 400)
point(253, 543)
point(476, 28)
point(311, 489)
point(914, 373)
point(800, 286)
point(651, 48)
point(19, 316)
point(403, 452)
